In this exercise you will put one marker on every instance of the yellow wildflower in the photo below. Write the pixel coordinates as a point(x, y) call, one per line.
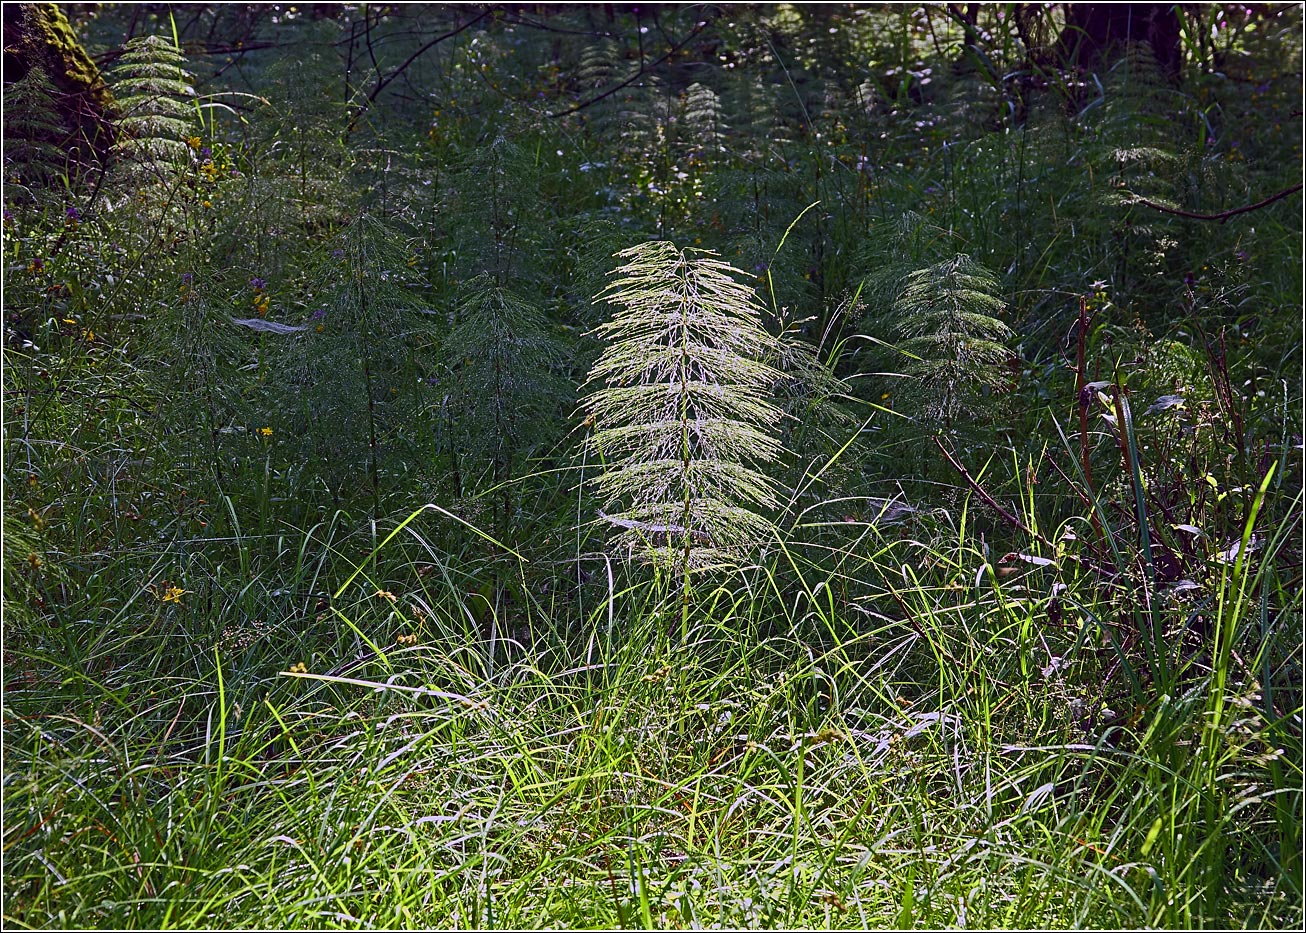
point(265, 432)
point(173, 594)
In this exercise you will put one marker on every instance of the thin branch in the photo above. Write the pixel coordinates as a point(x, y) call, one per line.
point(990, 501)
point(1105, 574)
point(381, 84)
point(1223, 215)
point(645, 69)
point(521, 20)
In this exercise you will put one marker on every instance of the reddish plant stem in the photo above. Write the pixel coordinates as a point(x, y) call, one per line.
point(1223, 215)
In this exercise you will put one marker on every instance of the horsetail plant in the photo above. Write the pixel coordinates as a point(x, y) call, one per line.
point(682, 419)
point(948, 327)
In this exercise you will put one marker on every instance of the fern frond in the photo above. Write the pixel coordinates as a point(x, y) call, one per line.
point(153, 91)
point(703, 119)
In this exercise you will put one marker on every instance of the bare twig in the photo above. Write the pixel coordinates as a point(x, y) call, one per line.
point(1104, 573)
point(637, 75)
point(519, 18)
point(382, 83)
point(1223, 215)
point(990, 501)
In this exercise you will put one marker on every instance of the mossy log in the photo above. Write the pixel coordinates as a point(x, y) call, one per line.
point(38, 35)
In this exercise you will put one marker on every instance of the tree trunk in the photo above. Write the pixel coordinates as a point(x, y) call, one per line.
point(1096, 34)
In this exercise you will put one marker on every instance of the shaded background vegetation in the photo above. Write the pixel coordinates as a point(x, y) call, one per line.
point(1031, 614)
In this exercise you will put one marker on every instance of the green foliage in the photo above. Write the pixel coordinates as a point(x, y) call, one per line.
point(194, 353)
point(500, 384)
point(680, 407)
point(309, 179)
point(814, 400)
point(495, 211)
point(339, 386)
point(305, 409)
point(1134, 147)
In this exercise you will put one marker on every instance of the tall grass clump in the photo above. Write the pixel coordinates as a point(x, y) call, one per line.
point(896, 769)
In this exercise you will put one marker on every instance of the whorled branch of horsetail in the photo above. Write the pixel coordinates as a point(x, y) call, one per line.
point(657, 528)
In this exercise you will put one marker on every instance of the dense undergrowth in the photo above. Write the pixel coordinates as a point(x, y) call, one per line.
point(312, 617)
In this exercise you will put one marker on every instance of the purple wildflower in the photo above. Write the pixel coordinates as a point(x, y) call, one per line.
point(258, 284)
point(319, 314)
point(72, 213)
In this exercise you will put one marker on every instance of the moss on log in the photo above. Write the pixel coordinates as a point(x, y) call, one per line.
point(38, 35)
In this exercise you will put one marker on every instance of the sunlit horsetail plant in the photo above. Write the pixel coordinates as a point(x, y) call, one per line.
point(681, 416)
point(947, 326)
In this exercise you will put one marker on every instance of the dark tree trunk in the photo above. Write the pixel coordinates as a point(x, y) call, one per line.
point(1096, 34)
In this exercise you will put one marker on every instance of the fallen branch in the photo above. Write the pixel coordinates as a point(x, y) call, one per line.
point(1223, 215)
